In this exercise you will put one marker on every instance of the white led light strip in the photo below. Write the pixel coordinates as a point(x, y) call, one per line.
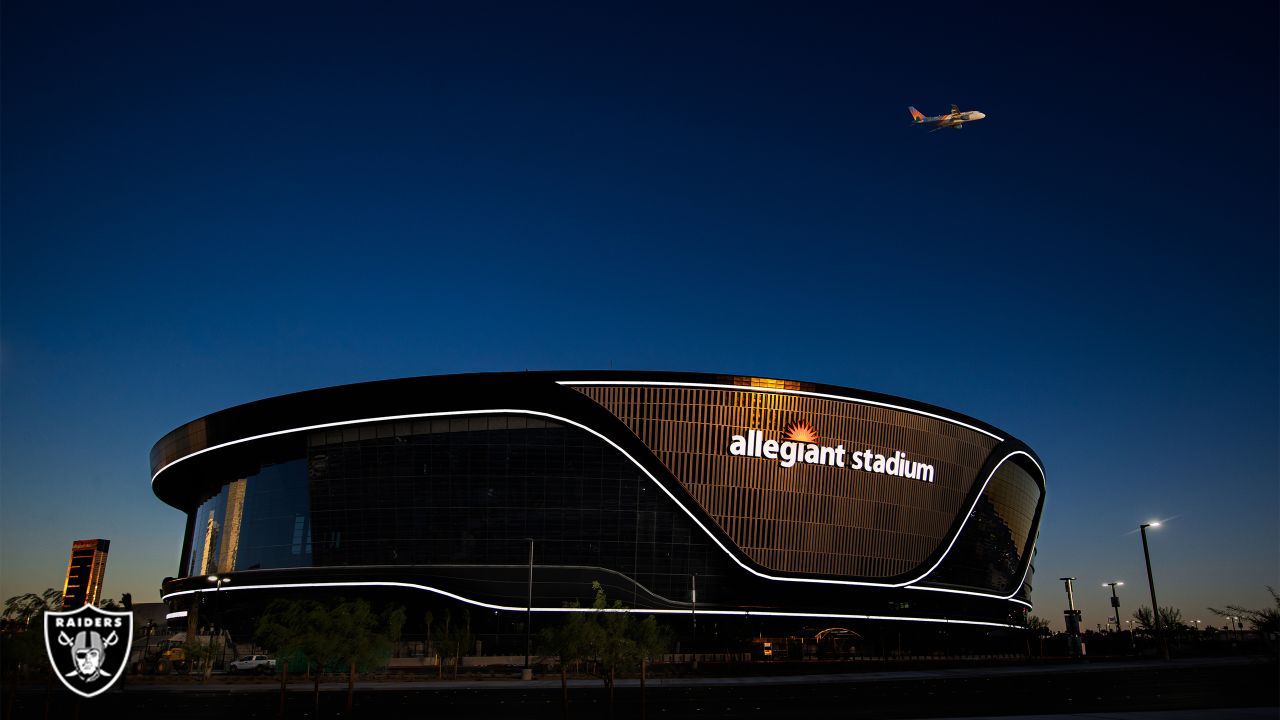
point(638, 611)
point(663, 488)
point(745, 388)
point(625, 383)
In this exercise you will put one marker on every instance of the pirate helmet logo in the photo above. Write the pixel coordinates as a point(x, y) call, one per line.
point(88, 647)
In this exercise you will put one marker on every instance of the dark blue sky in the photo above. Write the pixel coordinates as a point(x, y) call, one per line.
point(203, 206)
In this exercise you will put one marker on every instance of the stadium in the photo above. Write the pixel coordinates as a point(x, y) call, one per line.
point(735, 501)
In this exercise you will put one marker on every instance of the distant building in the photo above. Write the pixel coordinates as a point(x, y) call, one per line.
point(85, 570)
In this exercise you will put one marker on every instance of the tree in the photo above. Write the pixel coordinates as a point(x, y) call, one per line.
point(614, 648)
point(347, 634)
point(609, 636)
point(1170, 618)
point(22, 609)
point(298, 628)
point(451, 640)
point(621, 642)
point(362, 637)
point(201, 654)
point(651, 640)
point(1266, 620)
point(21, 645)
point(568, 642)
point(1037, 627)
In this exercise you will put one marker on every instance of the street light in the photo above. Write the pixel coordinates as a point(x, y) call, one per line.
point(1115, 601)
point(218, 581)
point(1155, 608)
point(1071, 618)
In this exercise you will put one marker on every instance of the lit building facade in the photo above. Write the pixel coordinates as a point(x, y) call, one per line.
point(85, 571)
point(714, 495)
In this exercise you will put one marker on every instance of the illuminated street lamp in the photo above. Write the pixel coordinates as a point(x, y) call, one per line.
point(1115, 601)
point(218, 581)
point(1155, 608)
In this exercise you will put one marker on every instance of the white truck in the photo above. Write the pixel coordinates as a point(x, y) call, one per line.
point(252, 663)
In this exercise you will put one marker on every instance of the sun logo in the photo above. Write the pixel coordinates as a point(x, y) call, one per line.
point(801, 431)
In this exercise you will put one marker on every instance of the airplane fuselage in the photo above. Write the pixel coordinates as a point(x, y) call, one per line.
point(961, 117)
point(952, 120)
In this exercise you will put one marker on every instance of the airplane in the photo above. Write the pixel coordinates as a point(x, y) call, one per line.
point(954, 119)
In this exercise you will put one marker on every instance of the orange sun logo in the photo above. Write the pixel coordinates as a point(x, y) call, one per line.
point(801, 431)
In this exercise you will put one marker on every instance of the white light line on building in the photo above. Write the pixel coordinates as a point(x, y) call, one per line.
point(968, 515)
point(661, 486)
point(638, 611)
point(746, 388)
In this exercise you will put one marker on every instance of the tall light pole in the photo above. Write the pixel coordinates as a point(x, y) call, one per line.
point(1115, 601)
point(1155, 608)
point(1071, 618)
point(528, 616)
point(218, 580)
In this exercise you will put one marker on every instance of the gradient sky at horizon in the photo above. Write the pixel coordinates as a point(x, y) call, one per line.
point(207, 205)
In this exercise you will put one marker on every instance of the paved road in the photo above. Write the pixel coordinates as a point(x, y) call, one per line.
point(1233, 688)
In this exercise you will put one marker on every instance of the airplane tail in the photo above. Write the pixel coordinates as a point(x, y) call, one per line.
point(916, 115)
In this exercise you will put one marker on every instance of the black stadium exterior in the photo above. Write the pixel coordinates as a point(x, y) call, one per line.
point(724, 498)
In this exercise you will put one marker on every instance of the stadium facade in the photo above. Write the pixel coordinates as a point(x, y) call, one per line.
point(708, 495)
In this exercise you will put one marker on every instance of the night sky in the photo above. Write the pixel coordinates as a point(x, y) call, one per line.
point(216, 203)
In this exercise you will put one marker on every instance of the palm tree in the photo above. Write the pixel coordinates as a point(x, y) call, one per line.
point(1266, 620)
point(22, 609)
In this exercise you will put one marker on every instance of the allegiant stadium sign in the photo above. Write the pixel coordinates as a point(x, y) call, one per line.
point(800, 445)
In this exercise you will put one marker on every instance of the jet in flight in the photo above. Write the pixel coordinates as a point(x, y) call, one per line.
point(954, 119)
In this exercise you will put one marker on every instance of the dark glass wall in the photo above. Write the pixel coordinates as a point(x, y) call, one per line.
point(461, 490)
point(988, 555)
point(260, 521)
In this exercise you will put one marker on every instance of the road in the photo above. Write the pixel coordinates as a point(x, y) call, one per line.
point(1080, 690)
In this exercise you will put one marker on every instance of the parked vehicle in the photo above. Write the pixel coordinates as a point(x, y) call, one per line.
point(253, 663)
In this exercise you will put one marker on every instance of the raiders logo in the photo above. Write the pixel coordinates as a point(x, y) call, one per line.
point(88, 647)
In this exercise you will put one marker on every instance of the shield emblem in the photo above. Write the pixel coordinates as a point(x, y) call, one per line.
point(88, 647)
